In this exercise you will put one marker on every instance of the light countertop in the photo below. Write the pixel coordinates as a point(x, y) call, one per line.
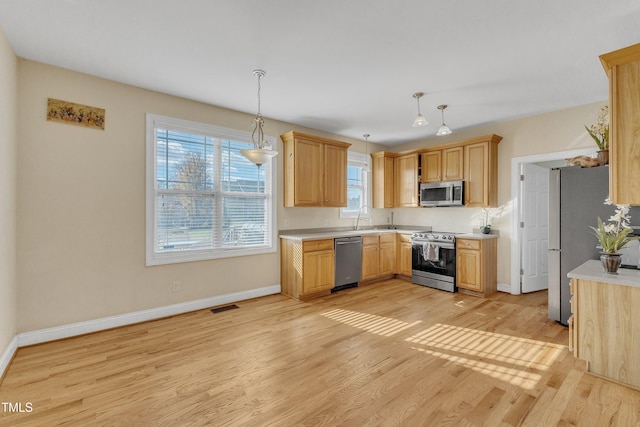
point(332, 234)
point(318, 234)
point(477, 236)
point(592, 270)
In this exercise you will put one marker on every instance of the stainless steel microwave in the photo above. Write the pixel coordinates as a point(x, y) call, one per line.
point(448, 193)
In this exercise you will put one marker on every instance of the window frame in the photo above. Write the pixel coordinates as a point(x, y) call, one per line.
point(153, 122)
point(363, 161)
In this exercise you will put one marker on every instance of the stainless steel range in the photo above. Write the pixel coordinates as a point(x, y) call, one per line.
point(433, 260)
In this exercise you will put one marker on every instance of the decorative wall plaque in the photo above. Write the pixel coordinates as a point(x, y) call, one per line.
point(75, 114)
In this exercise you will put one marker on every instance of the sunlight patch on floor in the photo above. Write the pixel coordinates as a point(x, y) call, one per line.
point(379, 325)
point(516, 360)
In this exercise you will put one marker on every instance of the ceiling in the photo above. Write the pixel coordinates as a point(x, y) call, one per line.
point(345, 67)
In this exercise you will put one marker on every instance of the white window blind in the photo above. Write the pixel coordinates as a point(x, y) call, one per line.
point(204, 199)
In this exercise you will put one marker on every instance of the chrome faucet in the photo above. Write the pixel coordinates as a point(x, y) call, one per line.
point(357, 227)
point(392, 220)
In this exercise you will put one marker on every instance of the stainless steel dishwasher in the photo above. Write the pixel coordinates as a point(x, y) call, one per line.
point(348, 264)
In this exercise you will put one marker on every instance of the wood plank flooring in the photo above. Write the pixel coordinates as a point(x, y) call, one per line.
point(388, 354)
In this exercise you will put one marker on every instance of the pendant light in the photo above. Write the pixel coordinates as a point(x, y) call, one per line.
point(420, 119)
point(366, 152)
point(444, 129)
point(261, 151)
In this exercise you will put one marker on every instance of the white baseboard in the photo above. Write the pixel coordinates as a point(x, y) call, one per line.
point(7, 355)
point(80, 328)
point(504, 288)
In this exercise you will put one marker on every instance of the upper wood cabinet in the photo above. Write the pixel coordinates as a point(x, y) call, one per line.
point(481, 173)
point(623, 69)
point(442, 165)
point(406, 181)
point(396, 176)
point(432, 166)
point(383, 179)
point(315, 171)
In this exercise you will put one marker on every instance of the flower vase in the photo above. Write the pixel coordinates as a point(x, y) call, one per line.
point(610, 262)
point(485, 229)
point(603, 157)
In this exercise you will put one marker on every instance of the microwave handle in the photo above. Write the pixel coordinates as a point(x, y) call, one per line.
point(450, 195)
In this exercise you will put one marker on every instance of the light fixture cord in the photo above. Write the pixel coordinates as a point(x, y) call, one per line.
point(418, 101)
point(258, 122)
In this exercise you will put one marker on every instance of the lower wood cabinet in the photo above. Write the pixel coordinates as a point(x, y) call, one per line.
point(403, 255)
point(307, 267)
point(604, 329)
point(476, 266)
point(378, 256)
point(370, 257)
point(387, 264)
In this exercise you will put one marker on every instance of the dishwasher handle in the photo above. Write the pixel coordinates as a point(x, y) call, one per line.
point(350, 242)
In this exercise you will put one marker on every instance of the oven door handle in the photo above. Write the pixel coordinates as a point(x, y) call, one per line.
point(442, 245)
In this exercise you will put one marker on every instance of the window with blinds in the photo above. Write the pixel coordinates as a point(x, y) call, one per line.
point(204, 199)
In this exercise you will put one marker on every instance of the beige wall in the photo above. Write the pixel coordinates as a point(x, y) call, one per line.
point(8, 188)
point(557, 131)
point(81, 200)
point(81, 204)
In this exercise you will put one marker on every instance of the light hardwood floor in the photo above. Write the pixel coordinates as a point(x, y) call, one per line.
point(389, 353)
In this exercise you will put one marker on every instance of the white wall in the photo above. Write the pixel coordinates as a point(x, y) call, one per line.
point(545, 133)
point(8, 188)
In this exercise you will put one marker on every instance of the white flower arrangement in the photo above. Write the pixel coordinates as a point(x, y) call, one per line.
point(614, 235)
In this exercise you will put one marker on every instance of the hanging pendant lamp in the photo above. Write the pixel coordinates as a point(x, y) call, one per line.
point(261, 151)
point(444, 129)
point(420, 119)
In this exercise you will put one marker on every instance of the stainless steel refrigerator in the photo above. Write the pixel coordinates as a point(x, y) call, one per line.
point(576, 200)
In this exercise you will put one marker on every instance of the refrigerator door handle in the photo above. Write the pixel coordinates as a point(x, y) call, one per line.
point(554, 284)
point(554, 209)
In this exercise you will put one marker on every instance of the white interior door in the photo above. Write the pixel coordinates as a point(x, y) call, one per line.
point(534, 224)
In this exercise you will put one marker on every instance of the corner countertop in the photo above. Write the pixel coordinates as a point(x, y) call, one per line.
point(592, 270)
point(477, 236)
point(318, 234)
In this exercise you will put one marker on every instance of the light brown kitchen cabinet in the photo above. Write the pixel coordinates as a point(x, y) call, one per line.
point(406, 181)
point(623, 69)
point(315, 171)
point(604, 329)
point(432, 166)
point(378, 256)
point(307, 267)
point(452, 164)
point(370, 257)
point(387, 265)
point(481, 173)
point(382, 174)
point(476, 266)
point(403, 255)
point(443, 165)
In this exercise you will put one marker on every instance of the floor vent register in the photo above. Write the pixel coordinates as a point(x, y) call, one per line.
point(224, 308)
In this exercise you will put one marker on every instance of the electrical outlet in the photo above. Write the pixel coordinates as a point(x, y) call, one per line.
point(175, 287)
point(286, 223)
point(326, 222)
